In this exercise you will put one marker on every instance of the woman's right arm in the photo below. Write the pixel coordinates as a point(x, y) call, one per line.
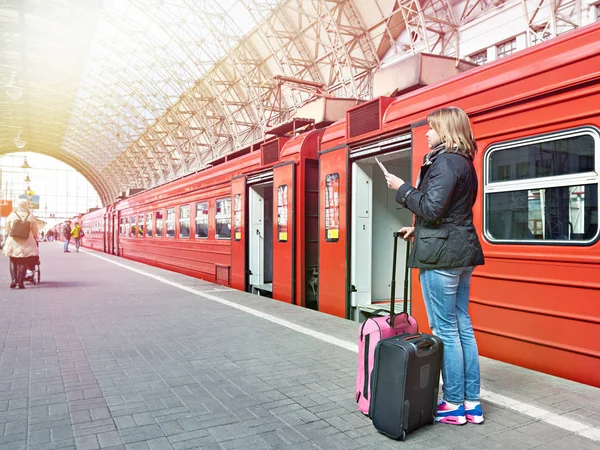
point(432, 204)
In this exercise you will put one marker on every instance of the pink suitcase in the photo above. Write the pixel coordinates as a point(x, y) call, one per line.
point(376, 328)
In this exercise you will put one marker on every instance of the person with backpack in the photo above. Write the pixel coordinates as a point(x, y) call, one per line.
point(21, 246)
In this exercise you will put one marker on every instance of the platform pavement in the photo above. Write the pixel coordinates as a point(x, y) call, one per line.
point(112, 354)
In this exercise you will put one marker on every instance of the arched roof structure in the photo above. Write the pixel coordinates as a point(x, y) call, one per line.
point(133, 93)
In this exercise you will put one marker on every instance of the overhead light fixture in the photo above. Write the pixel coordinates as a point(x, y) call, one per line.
point(20, 143)
point(12, 90)
point(25, 165)
point(27, 179)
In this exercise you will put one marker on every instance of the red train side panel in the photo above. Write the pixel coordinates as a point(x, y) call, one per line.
point(238, 245)
point(533, 304)
point(333, 255)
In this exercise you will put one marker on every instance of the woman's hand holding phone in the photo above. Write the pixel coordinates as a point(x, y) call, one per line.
point(393, 182)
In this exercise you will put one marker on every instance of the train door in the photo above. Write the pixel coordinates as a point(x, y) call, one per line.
point(307, 238)
point(284, 232)
point(361, 232)
point(260, 239)
point(333, 257)
point(106, 234)
point(375, 215)
point(239, 271)
point(116, 228)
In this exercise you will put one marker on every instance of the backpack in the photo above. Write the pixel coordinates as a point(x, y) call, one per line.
point(20, 228)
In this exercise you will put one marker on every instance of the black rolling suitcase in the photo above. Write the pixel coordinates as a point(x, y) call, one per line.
point(405, 383)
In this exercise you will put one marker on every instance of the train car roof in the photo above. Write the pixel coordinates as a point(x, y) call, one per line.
point(189, 183)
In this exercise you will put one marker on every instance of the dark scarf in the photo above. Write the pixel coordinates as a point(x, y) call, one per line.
point(438, 150)
point(430, 157)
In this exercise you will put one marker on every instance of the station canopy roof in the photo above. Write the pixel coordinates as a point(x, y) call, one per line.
point(134, 93)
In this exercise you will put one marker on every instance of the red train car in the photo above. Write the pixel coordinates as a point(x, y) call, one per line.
point(536, 118)
point(93, 225)
point(307, 219)
point(184, 225)
point(249, 221)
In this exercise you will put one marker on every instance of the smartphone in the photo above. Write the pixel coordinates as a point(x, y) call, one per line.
point(382, 166)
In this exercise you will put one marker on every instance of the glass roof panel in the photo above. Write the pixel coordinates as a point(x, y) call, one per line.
point(143, 57)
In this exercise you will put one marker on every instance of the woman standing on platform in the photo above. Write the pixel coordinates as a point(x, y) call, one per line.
point(446, 250)
point(22, 251)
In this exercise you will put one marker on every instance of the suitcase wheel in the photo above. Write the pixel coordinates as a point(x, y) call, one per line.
point(403, 435)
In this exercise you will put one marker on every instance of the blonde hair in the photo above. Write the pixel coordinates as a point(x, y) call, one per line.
point(454, 129)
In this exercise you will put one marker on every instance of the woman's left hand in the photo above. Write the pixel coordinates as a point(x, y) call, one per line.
point(393, 181)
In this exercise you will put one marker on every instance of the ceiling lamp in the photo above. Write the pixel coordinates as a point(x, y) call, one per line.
point(27, 179)
point(25, 165)
point(20, 143)
point(12, 90)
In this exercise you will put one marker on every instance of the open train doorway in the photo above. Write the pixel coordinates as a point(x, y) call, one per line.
point(375, 216)
point(260, 239)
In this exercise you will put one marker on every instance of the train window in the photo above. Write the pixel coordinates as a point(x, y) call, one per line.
point(149, 225)
point(133, 229)
point(184, 221)
point(282, 213)
point(127, 226)
point(332, 207)
point(223, 218)
point(159, 224)
point(543, 189)
point(237, 217)
point(170, 222)
point(122, 227)
point(202, 220)
point(140, 225)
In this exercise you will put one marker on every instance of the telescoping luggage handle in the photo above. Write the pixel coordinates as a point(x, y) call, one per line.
point(397, 235)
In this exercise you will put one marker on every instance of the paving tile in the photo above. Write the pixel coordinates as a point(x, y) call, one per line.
point(87, 442)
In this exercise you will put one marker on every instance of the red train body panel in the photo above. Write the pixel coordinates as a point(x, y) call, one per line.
point(307, 219)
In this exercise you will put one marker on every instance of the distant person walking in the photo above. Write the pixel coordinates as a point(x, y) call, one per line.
point(77, 234)
point(21, 245)
point(66, 231)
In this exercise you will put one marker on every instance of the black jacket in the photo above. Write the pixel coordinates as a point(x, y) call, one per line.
point(443, 204)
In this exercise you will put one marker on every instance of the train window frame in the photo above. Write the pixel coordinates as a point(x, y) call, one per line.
point(170, 212)
point(158, 231)
point(183, 220)
point(149, 224)
point(540, 183)
point(201, 219)
point(141, 223)
point(223, 216)
point(133, 229)
point(282, 213)
point(237, 217)
point(332, 232)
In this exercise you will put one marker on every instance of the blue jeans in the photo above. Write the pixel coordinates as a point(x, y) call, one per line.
point(446, 295)
point(67, 244)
